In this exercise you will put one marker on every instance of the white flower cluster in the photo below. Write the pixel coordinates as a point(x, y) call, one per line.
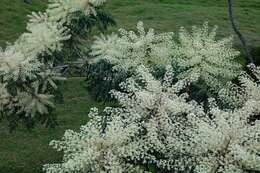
point(131, 136)
point(14, 65)
point(60, 10)
point(22, 65)
point(200, 52)
point(196, 52)
point(235, 95)
point(157, 125)
point(226, 141)
point(130, 49)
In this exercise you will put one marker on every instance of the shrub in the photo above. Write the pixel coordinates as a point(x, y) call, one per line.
point(158, 128)
point(122, 53)
point(196, 52)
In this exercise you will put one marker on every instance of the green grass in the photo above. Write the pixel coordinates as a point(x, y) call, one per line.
point(163, 15)
point(13, 17)
point(26, 152)
point(170, 15)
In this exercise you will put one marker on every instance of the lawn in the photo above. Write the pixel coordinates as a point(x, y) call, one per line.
point(170, 15)
point(26, 152)
point(163, 15)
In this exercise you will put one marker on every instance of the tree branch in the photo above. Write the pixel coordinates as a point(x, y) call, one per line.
point(239, 34)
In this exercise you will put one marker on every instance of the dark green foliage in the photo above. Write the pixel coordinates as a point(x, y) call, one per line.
point(158, 71)
point(101, 79)
point(82, 28)
point(18, 118)
point(256, 54)
point(28, 1)
point(14, 116)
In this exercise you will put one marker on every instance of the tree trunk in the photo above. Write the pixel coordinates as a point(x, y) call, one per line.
point(239, 34)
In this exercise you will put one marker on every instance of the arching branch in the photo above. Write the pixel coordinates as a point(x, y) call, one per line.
point(239, 34)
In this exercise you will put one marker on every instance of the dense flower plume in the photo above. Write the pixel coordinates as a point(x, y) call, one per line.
point(200, 52)
point(60, 10)
point(157, 125)
point(130, 49)
point(22, 64)
point(196, 52)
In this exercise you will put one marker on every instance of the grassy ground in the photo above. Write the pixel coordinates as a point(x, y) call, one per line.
point(13, 17)
point(170, 15)
point(26, 152)
point(163, 15)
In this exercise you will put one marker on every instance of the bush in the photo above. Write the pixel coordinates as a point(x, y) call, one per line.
point(193, 52)
point(158, 129)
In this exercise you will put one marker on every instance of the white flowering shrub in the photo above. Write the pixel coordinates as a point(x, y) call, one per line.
point(192, 52)
point(200, 52)
point(128, 139)
point(27, 69)
point(235, 94)
point(116, 56)
point(225, 141)
point(130, 49)
point(157, 128)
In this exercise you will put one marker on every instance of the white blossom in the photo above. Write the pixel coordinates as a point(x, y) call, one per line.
point(130, 49)
point(156, 124)
point(60, 10)
point(228, 140)
point(200, 52)
point(126, 138)
point(15, 65)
